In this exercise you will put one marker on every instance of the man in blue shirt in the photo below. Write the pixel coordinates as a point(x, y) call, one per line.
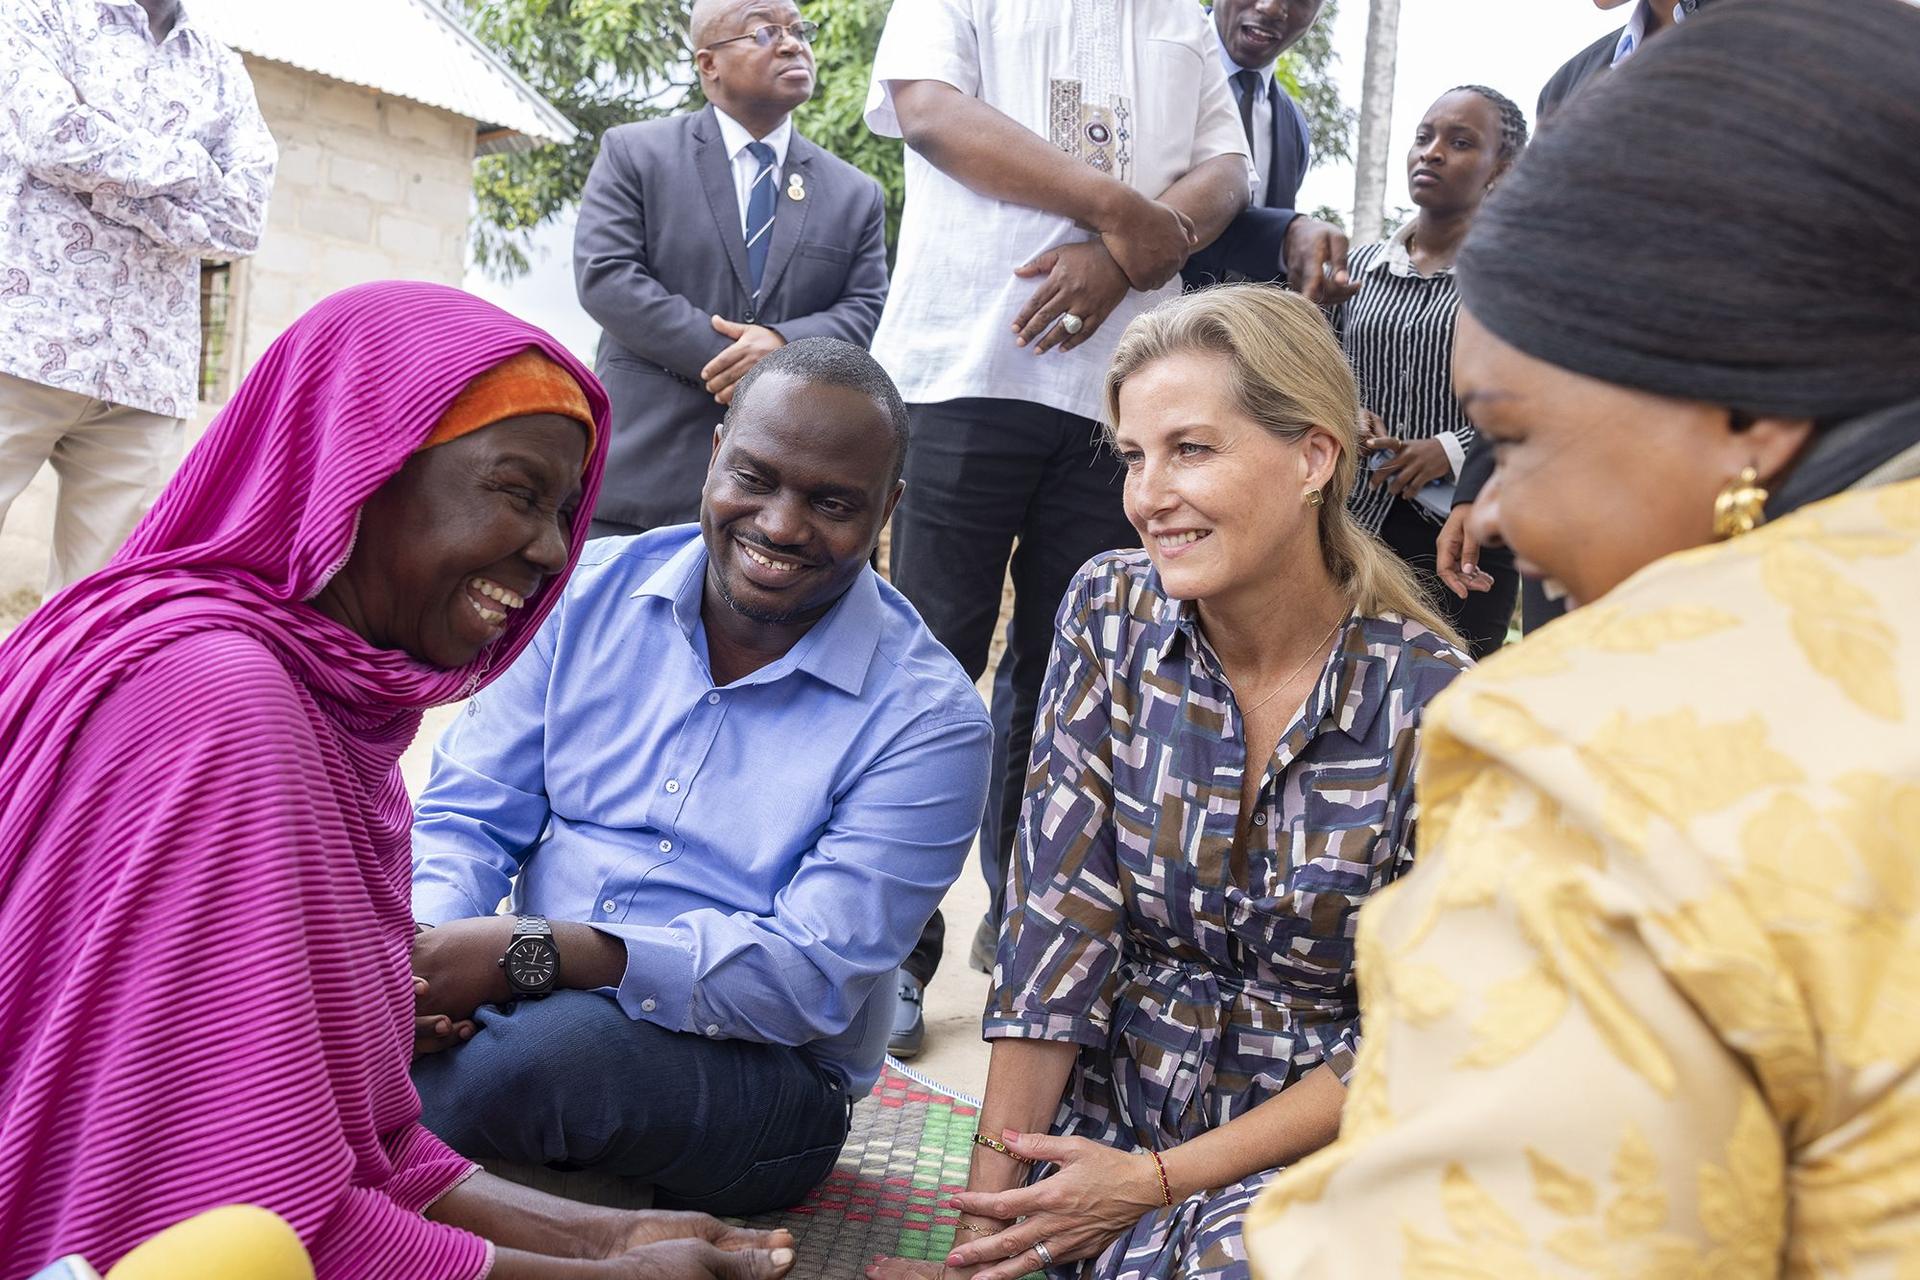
point(725, 787)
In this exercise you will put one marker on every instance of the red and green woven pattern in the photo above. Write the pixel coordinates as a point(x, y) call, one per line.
point(906, 1156)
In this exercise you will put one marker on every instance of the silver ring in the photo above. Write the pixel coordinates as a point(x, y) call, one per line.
point(1072, 323)
point(1040, 1249)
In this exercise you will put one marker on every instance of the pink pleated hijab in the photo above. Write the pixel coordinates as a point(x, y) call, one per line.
point(204, 836)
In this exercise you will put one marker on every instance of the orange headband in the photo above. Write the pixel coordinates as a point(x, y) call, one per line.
point(518, 386)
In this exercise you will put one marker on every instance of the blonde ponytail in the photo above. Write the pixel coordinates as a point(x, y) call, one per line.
point(1289, 375)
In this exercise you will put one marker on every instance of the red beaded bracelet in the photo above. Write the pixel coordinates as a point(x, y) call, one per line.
point(1166, 1188)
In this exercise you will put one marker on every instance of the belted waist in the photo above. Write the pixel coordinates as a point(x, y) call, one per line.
point(1174, 1032)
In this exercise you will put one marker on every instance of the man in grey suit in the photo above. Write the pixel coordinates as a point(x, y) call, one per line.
point(708, 240)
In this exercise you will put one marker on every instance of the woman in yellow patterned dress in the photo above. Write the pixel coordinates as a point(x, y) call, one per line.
point(1650, 1003)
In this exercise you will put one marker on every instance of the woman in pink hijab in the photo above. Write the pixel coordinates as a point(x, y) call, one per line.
point(203, 833)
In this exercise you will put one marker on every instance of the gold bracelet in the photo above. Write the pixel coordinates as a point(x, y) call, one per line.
point(994, 1144)
point(978, 1231)
point(1166, 1188)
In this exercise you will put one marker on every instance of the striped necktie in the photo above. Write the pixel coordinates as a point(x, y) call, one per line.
point(760, 206)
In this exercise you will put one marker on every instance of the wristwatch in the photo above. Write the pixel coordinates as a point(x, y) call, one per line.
point(532, 962)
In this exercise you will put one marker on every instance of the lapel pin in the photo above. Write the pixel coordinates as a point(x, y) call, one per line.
point(796, 188)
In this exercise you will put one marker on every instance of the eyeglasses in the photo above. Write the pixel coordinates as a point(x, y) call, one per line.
point(770, 34)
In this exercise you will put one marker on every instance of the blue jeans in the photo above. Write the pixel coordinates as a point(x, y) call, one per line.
point(725, 1126)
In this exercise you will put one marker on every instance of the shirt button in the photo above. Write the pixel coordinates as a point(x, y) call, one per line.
point(647, 1005)
point(673, 786)
point(666, 846)
point(607, 906)
point(1259, 819)
point(712, 698)
point(713, 1029)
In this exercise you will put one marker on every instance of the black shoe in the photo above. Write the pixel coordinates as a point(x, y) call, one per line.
point(909, 1023)
point(986, 941)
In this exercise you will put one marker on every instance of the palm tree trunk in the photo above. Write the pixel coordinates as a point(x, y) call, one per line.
point(1376, 122)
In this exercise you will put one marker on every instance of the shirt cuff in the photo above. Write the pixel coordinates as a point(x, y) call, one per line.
point(1344, 1054)
point(442, 904)
point(1059, 1027)
point(658, 984)
point(1456, 451)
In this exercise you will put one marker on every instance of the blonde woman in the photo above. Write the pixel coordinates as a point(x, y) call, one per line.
point(1221, 775)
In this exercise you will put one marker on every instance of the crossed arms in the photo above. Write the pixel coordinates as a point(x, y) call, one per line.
point(171, 188)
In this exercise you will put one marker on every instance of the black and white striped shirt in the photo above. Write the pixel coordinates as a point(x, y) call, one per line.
point(1398, 336)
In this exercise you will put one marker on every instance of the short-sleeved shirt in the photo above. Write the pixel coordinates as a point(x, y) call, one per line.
point(1130, 87)
point(1203, 973)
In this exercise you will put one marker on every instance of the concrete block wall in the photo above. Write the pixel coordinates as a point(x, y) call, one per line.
point(370, 187)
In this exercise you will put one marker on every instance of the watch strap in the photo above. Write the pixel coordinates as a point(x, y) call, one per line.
point(529, 926)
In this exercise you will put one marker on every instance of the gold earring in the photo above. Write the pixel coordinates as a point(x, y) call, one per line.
point(1313, 498)
point(1741, 506)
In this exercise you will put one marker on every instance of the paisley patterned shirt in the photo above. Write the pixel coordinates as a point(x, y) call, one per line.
point(123, 162)
point(1201, 973)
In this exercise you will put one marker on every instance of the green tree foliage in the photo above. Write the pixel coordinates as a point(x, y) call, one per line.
point(843, 53)
point(601, 63)
point(1307, 73)
point(606, 62)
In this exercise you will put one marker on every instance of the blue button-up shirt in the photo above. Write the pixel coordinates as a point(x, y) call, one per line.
point(768, 850)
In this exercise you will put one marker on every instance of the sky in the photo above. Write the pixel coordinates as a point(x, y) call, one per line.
point(1510, 45)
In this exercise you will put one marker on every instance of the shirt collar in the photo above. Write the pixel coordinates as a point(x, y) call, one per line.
point(1233, 68)
point(1636, 33)
point(735, 136)
point(838, 650)
point(182, 18)
point(1398, 257)
point(1353, 685)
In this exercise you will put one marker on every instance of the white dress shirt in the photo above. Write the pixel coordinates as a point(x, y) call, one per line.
point(1262, 119)
point(1129, 87)
point(745, 167)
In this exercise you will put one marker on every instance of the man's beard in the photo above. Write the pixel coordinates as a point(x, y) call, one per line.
point(769, 617)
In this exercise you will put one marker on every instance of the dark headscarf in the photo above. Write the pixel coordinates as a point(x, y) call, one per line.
point(1733, 217)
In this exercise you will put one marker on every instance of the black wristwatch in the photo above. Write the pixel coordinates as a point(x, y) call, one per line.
point(532, 961)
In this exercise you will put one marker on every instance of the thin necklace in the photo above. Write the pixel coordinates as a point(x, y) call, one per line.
point(1247, 711)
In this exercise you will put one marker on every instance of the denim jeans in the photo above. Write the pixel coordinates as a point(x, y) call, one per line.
point(725, 1126)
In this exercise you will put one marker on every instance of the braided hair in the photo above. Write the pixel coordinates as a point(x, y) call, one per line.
point(1513, 121)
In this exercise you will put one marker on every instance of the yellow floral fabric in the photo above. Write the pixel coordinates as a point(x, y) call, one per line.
point(1649, 1003)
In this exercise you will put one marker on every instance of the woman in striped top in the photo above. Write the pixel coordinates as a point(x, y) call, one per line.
point(1397, 332)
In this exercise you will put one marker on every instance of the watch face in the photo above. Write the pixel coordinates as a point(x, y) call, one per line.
point(531, 965)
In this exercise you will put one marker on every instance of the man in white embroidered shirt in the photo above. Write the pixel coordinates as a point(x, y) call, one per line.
point(1064, 158)
point(130, 149)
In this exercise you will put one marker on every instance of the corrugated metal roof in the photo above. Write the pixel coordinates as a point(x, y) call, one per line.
point(410, 49)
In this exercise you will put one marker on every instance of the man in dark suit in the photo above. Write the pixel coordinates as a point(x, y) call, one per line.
point(708, 240)
point(1649, 19)
point(1271, 240)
